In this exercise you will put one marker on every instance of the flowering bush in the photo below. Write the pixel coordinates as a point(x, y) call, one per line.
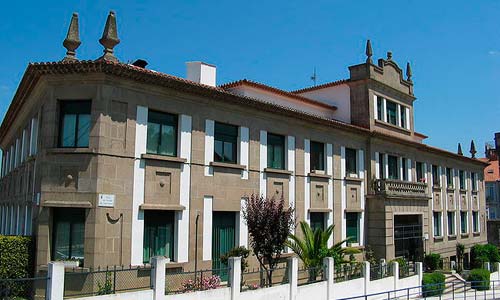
point(252, 286)
point(205, 283)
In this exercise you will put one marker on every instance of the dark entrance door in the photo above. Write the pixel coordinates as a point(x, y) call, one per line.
point(223, 239)
point(408, 237)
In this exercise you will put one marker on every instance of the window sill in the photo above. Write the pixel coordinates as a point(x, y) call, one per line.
point(278, 171)
point(475, 191)
point(438, 238)
point(476, 233)
point(320, 210)
point(227, 165)
point(353, 210)
point(319, 175)
point(464, 235)
point(452, 237)
point(436, 187)
point(71, 151)
point(450, 189)
point(163, 158)
point(390, 125)
point(349, 178)
point(462, 191)
point(151, 206)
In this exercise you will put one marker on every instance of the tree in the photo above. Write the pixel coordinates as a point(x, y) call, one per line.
point(460, 249)
point(269, 224)
point(313, 247)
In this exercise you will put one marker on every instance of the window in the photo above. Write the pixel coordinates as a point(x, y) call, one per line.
point(226, 143)
point(451, 223)
point(392, 162)
point(449, 178)
point(158, 234)
point(403, 116)
point(351, 161)
point(463, 222)
point(405, 169)
point(74, 127)
point(380, 108)
point(317, 220)
point(461, 176)
point(435, 176)
point(352, 227)
point(437, 224)
point(275, 151)
point(420, 171)
point(391, 108)
point(475, 221)
point(381, 165)
point(162, 134)
point(473, 178)
point(68, 234)
point(317, 156)
point(490, 192)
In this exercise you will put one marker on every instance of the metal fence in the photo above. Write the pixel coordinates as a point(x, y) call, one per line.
point(348, 271)
point(381, 271)
point(407, 269)
point(184, 282)
point(310, 275)
point(87, 282)
point(259, 278)
point(23, 288)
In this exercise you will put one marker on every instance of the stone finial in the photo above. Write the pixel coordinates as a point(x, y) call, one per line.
point(369, 52)
point(408, 71)
point(472, 149)
point(72, 40)
point(459, 151)
point(109, 38)
point(389, 55)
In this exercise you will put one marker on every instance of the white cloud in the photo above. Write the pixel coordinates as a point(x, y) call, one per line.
point(494, 52)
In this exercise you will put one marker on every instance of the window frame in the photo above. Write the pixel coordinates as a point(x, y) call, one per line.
point(390, 166)
point(437, 221)
point(388, 112)
point(275, 138)
point(61, 214)
point(351, 164)
point(320, 216)
point(461, 179)
point(402, 116)
point(317, 149)
point(226, 138)
point(450, 182)
point(380, 108)
point(63, 108)
point(159, 219)
point(453, 223)
point(463, 229)
point(174, 123)
point(419, 168)
point(473, 181)
point(358, 237)
point(475, 222)
point(436, 179)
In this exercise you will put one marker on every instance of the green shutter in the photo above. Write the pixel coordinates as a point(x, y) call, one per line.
point(223, 239)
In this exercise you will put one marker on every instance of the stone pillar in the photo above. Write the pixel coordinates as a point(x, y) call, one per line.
point(366, 276)
point(395, 273)
point(329, 269)
point(55, 283)
point(487, 266)
point(235, 276)
point(293, 273)
point(420, 271)
point(158, 264)
point(498, 270)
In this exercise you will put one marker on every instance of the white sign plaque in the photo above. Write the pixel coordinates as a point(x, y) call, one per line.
point(106, 200)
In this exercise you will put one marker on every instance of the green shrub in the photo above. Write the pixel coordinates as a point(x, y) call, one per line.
point(432, 284)
point(403, 266)
point(479, 279)
point(483, 253)
point(16, 261)
point(240, 251)
point(432, 261)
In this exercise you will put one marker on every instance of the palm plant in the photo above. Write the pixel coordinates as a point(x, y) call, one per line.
point(312, 248)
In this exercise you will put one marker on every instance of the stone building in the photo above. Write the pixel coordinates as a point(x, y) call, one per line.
point(111, 163)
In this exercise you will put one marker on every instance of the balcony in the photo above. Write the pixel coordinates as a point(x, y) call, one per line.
point(400, 189)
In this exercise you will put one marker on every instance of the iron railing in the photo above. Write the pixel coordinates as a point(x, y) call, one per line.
point(348, 271)
point(380, 271)
point(88, 282)
point(177, 282)
point(258, 278)
point(310, 275)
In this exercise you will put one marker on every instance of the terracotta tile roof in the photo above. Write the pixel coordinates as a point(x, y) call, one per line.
point(492, 171)
point(271, 89)
point(321, 86)
point(35, 71)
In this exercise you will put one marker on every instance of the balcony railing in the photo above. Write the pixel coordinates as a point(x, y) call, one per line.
point(398, 188)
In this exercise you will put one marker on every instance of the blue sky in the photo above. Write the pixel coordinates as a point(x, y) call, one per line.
point(453, 46)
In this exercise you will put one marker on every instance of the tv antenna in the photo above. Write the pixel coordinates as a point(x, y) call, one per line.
point(313, 76)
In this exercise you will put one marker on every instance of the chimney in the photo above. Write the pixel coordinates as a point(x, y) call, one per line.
point(201, 72)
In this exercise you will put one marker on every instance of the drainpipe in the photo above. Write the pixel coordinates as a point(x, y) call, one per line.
point(196, 242)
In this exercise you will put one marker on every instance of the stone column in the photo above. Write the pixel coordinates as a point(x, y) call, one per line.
point(420, 271)
point(235, 276)
point(395, 273)
point(55, 283)
point(158, 264)
point(366, 276)
point(329, 269)
point(293, 272)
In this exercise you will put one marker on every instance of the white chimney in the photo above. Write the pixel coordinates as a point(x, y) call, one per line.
point(201, 72)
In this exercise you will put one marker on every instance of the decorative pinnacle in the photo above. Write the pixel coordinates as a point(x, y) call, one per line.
point(109, 38)
point(389, 55)
point(369, 52)
point(459, 151)
point(72, 40)
point(472, 149)
point(408, 71)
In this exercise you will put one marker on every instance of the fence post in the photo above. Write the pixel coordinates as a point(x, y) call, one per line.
point(395, 273)
point(55, 281)
point(293, 273)
point(420, 271)
point(235, 276)
point(497, 264)
point(366, 276)
point(158, 264)
point(329, 276)
point(487, 266)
